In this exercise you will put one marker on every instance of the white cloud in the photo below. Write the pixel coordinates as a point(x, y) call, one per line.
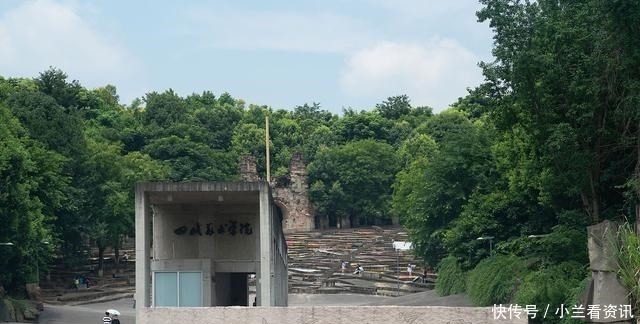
point(43, 33)
point(280, 30)
point(433, 74)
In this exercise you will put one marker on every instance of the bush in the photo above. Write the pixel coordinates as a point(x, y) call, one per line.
point(627, 249)
point(495, 280)
point(451, 279)
point(552, 285)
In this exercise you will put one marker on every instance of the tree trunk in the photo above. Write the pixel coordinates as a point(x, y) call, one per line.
point(101, 260)
point(116, 252)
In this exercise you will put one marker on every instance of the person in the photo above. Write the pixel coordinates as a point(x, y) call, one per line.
point(424, 275)
point(343, 266)
point(359, 269)
point(409, 269)
point(115, 319)
point(76, 283)
point(125, 257)
point(107, 318)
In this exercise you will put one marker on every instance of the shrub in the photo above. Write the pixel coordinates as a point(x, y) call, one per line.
point(451, 279)
point(553, 285)
point(495, 279)
point(627, 250)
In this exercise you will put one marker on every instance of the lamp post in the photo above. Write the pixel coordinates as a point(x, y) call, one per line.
point(6, 244)
point(490, 239)
point(404, 246)
point(38, 262)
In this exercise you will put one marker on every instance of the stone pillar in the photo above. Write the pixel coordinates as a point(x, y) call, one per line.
point(248, 169)
point(143, 246)
point(605, 289)
point(264, 275)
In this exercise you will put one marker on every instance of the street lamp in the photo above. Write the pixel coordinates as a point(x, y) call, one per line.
point(404, 246)
point(490, 238)
point(7, 244)
point(38, 262)
point(537, 235)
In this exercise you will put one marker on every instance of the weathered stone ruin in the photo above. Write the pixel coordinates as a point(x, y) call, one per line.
point(290, 193)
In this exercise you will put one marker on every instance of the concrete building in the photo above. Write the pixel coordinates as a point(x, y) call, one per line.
point(198, 245)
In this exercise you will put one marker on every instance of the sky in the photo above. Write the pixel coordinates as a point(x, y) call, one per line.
point(339, 53)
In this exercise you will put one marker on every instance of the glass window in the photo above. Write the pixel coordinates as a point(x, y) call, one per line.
point(166, 286)
point(177, 289)
point(190, 289)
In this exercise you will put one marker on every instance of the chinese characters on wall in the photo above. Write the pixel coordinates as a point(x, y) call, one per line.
point(232, 228)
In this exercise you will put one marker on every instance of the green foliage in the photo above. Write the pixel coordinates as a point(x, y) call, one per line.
point(191, 160)
point(627, 256)
point(552, 285)
point(27, 171)
point(495, 280)
point(364, 125)
point(555, 75)
point(394, 107)
point(352, 182)
point(432, 189)
point(451, 278)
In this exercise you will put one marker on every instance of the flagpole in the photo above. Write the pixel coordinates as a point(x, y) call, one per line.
point(267, 147)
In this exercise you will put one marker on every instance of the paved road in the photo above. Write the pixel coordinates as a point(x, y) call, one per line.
point(92, 313)
point(87, 314)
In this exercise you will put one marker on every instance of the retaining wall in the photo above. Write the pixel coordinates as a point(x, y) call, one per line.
point(322, 315)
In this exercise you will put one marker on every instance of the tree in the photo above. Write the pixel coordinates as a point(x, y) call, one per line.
point(191, 161)
point(31, 188)
point(394, 107)
point(565, 73)
point(351, 183)
point(431, 190)
point(364, 125)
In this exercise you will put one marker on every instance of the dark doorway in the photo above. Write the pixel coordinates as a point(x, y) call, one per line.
point(232, 289)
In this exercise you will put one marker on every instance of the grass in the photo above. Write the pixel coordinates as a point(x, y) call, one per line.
point(451, 279)
point(627, 250)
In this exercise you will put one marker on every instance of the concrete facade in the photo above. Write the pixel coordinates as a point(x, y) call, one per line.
point(327, 315)
point(227, 231)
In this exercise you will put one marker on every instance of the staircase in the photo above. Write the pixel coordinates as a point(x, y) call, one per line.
point(116, 282)
point(315, 259)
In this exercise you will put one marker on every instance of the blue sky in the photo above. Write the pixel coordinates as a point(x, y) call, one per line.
point(279, 53)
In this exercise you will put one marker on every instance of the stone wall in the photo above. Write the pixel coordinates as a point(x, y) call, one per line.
point(322, 315)
point(248, 170)
point(290, 193)
point(293, 198)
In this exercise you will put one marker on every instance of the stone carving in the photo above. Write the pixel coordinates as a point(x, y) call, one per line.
point(604, 289)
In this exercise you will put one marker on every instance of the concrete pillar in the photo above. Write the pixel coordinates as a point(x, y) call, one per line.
point(265, 246)
point(143, 246)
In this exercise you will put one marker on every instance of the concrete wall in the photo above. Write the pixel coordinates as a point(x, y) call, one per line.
point(203, 265)
point(238, 247)
point(323, 315)
point(199, 226)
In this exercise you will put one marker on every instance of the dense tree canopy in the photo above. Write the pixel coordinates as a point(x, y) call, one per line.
point(548, 144)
